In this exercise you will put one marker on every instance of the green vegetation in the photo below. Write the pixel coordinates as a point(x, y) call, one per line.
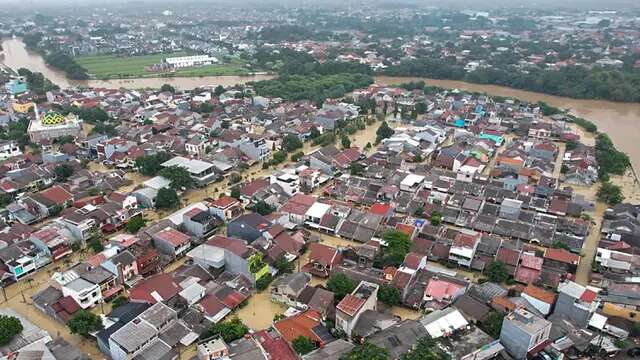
point(571, 81)
point(302, 345)
point(67, 64)
point(150, 165)
point(290, 143)
point(37, 82)
point(356, 169)
point(9, 327)
point(340, 285)
point(389, 295)
point(229, 331)
point(278, 157)
point(493, 324)
point(346, 143)
point(497, 272)
point(610, 193)
point(62, 172)
point(560, 245)
point(135, 224)
point(436, 218)
point(610, 160)
point(167, 88)
point(115, 67)
point(367, 351)
point(264, 282)
point(179, 177)
point(119, 301)
point(167, 199)
point(295, 157)
point(311, 87)
point(426, 349)
point(263, 208)
point(383, 132)
point(398, 246)
point(84, 323)
point(283, 265)
point(96, 244)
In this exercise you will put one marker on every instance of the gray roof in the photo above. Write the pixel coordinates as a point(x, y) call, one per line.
point(80, 284)
point(398, 339)
point(97, 275)
point(331, 351)
point(156, 350)
point(158, 315)
point(133, 335)
point(295, 281)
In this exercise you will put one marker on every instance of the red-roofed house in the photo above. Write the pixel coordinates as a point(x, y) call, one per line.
point(322, 259)
point(364, 297)
point(561, 258)
point(464, 248)
point(440, 292)
point(541, 299)
point(274, 345)
point(58, 195)
point(154, 289)
point(226, 208)
point(297, 206)
point(303, 324)
point(529, 270)
point(172, 242)
point(414, 262)
point(381, 209)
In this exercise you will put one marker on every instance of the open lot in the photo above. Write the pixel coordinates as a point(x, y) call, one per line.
point(115, 67)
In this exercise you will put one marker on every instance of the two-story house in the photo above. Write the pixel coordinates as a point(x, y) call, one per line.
point(364, 297)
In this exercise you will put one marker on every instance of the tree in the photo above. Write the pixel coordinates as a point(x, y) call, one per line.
point(314, 132)
point(497, 272)
point(303, 345)
point(135, 223)
point(283, 265)
point(264, 282)
point(9, 327)
point(150, 165)
point(230, 330)
point(96, 244)
point(297, 156)
point(389, 295)
point(235, 192)
point(167, 199)
point(340, 285)
point(426, 349)
point(346, 143)
point(167, 87)
point(179, 177)
point(417, 158)
point(560, 245)
point(384, 132)
point(263, 208)
point(234, 178)
point(278, 157)
point(55, 210)
point(290, 143)
point(219, 90)
point(610, 193)
point(119, 301)
point(84, 323)
point(398, 246)
point(493, 324)
point(62, 172)
point(436, 218)
point(367, 351)
point(356, 169)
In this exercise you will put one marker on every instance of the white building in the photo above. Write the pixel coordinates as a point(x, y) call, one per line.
point(9, 148)
point(189, 61)
point(85, 293)
point(290, 183)
point(348, 311)
point(411, 182)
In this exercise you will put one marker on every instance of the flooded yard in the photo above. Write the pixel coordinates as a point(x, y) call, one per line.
point(260, 310)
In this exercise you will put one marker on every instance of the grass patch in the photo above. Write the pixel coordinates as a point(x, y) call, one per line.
point(115, 67)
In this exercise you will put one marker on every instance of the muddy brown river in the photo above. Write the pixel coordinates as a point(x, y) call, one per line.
point(620, 120)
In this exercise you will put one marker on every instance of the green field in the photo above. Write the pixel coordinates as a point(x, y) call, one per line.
point(114, 67)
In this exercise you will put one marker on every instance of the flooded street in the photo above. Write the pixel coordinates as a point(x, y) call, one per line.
point(17, 56)
point(621, 121)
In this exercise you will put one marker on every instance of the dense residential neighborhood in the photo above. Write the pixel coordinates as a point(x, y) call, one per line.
point(319, 214)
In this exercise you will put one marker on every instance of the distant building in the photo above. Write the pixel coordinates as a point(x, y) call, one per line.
point(52, 125)
point(523, 332)
point(16, 86)
point(190, 61)
point(576, 303)
point(348, 311)
point(201, 171)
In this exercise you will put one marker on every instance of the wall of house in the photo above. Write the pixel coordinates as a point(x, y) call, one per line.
point(194, 228)
point(237, 265)
point(322, 166)
point(515, 340)
point(565, 305)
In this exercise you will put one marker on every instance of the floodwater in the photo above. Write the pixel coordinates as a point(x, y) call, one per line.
point(17, 56)
point(621, 121)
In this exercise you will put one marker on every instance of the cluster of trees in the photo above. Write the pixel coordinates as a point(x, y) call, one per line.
point(9, 327)
point(167, 198)
point(425, 349)
point(67, 64)
point(229, 331)
point(384, 132)
point(84, 322)
point(179, 176)
point(17, 131)
point(312, 87)
point(341, 285)
point(571, 81)
point(610, 160)
point(37, 82)
point(610, 193)
point(150, 165)
point(398, 246)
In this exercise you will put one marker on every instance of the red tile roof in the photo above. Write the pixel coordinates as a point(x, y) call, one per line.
point(508, 256)
point(173, 236)
point(407, 229)
point(465, 240)
point(301, 324)
point(236, 246)
point(531, 261)
point(380, 209)
point(588, 296)
point(322, 254)
point(527, 275)
point(275, 347)
point(350, 304)
point(440, 289)
point(57, 194)
point(225, 201)
point(211, 305)
point(251, 188)
point(540, 294)
point(562, 255)
point(412, 260)
point(154, 288)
